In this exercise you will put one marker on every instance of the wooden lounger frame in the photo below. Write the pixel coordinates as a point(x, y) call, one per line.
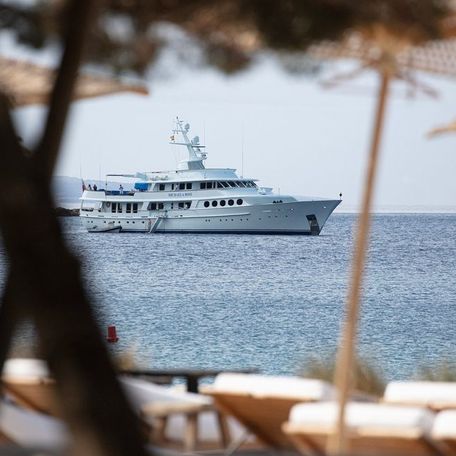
point(160, 412)
point(262, 416)
point(311, 440)
point(36, 395)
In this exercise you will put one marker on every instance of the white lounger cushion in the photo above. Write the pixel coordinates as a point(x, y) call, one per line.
point(25, 369)
point(445, 425)
point(263, 386)
point(28, 428)
point(142, 392)
point(365, 417)
point(434, 394)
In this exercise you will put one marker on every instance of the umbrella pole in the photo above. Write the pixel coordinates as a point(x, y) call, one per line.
point(337, 443)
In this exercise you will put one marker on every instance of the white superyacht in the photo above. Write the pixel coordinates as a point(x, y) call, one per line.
point(196, 199)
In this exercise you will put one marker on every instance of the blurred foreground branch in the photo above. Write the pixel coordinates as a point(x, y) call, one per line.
point(44, 282)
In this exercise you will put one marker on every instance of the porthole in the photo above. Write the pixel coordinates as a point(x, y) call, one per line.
point(214, 203)
point(206, 203)
point(230, 202)
point(239, 202)
point(222, 203)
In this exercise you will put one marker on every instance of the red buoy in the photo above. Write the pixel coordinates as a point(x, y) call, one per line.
point(112, 334)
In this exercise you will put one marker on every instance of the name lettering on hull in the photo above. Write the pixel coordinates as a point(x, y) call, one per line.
point(180, 194)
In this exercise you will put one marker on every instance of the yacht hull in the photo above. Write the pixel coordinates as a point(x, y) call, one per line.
point(298, 217)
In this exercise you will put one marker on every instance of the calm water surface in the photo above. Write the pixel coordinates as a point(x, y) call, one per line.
point(233, 301)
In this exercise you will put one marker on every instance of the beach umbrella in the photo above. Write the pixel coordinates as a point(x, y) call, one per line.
point(27, 83)
point(393, 54)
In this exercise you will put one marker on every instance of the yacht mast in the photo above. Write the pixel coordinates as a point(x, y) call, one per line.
point(195, 155)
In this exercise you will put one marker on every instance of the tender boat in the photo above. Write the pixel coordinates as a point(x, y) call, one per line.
point(196, 199)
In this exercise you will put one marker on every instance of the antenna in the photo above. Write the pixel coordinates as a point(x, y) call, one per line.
point(242, 150)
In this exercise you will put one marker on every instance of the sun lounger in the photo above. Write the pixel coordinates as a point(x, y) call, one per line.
point(262, 403)
point(444, 431)
point(177, 417)
point(180, 418)
point(27, 428)
point(435, 395)
point(372, 429)
point(28, 381)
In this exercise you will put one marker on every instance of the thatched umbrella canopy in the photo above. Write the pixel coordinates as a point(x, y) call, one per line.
point(394, 53)
point(26, 83)
point(449, 128)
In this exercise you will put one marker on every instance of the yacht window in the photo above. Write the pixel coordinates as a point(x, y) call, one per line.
point(219, 185)
point(222, 203)
point(189, 185)
point(135, 207)
point(230, 202)
point(188, 204)
point(236, 184)
point(172, 186)
point(225, 184)
point(241, 184)
point(182, 186)
point(152, 206)
point(160, 205)
point(209, 184)
point(206, 203)
point(214, 203)
point(161, 187)
point(203, 185)
point(239, 202)
point(119, 208)
point(114, 207)
point(181, 205)
point(253, 184)
point(128, 208)
point(231, 184)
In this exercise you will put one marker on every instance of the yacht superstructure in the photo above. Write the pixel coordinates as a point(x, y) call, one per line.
point(196, 199)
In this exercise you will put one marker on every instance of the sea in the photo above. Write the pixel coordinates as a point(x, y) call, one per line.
point(275, 303)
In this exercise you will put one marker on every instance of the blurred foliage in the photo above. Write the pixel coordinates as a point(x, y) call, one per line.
point(366, 378)
point(228, 33)
point(442, 371)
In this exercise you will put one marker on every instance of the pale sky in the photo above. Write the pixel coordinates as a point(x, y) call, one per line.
point(296, 136)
